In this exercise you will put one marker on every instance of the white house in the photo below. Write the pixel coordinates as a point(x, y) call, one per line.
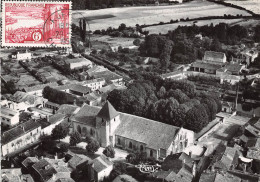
point(94, 84)
point(9, 116)
point(100, 168)
point(20, 137)
point(231, 79)
point(215, 57)
point(23, 56)
point(78, 63)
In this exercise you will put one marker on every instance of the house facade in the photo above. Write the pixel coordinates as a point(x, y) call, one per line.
point(94, 84)
point(20, 137)
point(215, 57)
point(130, 132)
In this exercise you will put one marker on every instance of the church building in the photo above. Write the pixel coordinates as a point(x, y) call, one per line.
point(130, 132)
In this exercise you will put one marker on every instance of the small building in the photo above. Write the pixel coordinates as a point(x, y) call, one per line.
point(176, 75)
point(215, 57)
point(79, 161)
point(100, 168)
point(20, 137)
point(52, 105)
point(94, 84)
point(93, 99)
point(231, 69)
point(9, 117)
point(78, 63)
point(27, 98)
point(111, 87)
point(231, 79)
point(23, 56)
point(226, 107)
point(205, 67)
point(109, 76)
point(248, 56)
point(51, 170)
point(49, 123)
point(80, 90)
point(95, 69)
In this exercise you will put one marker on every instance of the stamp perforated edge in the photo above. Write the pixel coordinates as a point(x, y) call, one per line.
point(3, 44)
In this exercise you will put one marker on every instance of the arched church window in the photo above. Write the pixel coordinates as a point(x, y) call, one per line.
point(79, 129)
point(151, 153)
point(130, 145)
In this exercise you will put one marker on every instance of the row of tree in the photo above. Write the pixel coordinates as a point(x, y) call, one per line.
point(169, 101)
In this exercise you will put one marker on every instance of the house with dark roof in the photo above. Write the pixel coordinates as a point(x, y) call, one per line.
point(131, 132)
point(100, 168)
point(215, 57)
point(51, 170)
point(78, 161)
point(205, 67)
point(80, 90)
point(20, 137)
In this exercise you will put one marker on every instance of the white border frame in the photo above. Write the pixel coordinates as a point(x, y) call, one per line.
point(3, 44)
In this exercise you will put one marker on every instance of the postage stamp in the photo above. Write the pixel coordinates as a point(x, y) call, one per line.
point(36, 23)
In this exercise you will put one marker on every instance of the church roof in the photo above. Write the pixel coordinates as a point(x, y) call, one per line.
point(107, 112)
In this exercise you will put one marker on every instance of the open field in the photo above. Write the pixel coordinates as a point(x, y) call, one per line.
point(153, 14)
point(165, 28)
point(252, 5)
point(112, 41)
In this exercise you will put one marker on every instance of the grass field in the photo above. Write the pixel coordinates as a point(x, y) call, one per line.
point(113, 17)
point(252, 5)
point(165, 28)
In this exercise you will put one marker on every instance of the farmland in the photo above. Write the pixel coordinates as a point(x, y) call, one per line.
point(131, 16)
point(251, 5)
point(165, 28)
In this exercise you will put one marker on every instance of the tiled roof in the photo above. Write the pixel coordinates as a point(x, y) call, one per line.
point(228, 158)
point(92, 81)
point(234, 68)
point(207, 177)
point(206, 65)
point(40, 87)
point(47, 167)
point(107, 112)
point(137, 128)
point(18, 131)
point(77, 160)
point(253, 153)
point(212, 54)
point(67, 109)
point(8, 112)
point(29, 161)
point(111, 87)
point(107, 75)
point(87, 115)
point(100, 163)
point(52, 104)
point(76, 60)
point(20, 96)
point(64, 87)
point(80, 88)
point(56, 117)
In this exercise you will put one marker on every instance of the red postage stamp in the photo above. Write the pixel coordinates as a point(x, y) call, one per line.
point(36, 24)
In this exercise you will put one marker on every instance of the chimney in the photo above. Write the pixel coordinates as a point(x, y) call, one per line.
point(183, 163)
point(56, 157)
point(190, 153)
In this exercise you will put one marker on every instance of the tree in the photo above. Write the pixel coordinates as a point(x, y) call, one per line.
point(64, 148)
point(75, 138)
point(10, 85)
point(59, 132)
point(122, 27)
point(137, 42)
point(179, 96)
point(109, 151)
point(161, 93)
point(93, 146)
point(196, 118)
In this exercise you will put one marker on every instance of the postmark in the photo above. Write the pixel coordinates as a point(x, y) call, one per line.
point(36, 23)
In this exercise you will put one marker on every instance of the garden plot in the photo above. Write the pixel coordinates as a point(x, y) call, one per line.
point(153, 14)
